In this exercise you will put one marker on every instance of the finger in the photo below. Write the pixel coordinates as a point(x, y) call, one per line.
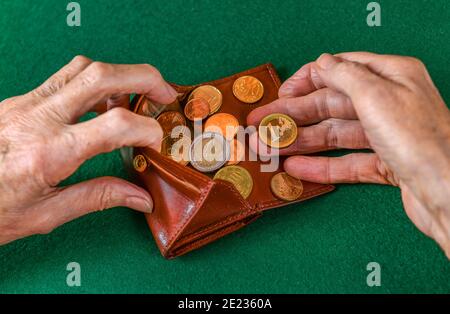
point(327, 135)
point(353, 79)
point(74, 201)
point(315, 107)
point(100, 81)
point(303, 82)
point(112, 130)
point(63, 76)
point(122, 101)
point(112, 102)
point(351, 168)
point(400, 69)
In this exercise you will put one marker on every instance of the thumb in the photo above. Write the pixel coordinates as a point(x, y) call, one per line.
point(80, 199)
point(350, 78)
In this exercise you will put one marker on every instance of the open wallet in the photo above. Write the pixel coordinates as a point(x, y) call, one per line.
point(190, 208)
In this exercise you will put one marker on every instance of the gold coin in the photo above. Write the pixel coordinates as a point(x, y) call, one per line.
point(139, 163)
point(248, 89)
point(237, 152)
point(209, 93)
point(177, 146)
point(239, 177)
point(286, 187)
point(278, 130)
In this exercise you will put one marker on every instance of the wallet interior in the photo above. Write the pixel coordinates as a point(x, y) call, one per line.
point(192, 209)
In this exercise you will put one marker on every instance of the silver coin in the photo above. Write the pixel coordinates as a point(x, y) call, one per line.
point(209, 152)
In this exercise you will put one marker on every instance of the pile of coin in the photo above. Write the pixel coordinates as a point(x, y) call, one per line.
point(217, 149)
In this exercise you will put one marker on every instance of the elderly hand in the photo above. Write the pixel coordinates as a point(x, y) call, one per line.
point(385, 103)
point(41, 144)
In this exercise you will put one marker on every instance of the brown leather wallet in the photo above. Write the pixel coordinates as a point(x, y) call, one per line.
point(190, 208)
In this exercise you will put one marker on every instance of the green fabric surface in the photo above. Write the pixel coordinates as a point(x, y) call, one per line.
point(320, 246)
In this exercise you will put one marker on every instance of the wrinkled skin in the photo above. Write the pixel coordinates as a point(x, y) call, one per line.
point(351, 100)
point(385, 103)
point(42, 143)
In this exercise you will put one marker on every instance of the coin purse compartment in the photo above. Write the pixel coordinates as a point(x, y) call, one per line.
point(190, 208)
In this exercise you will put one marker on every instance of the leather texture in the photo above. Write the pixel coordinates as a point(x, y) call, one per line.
point(191, 209)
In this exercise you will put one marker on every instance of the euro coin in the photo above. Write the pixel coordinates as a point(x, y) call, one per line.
point(196, 109)
point(223, 123)
point(286, 187)
point(170, 120)
point(176, 145)
point(239, 177)
point(209, 93)
point(209, 152)
point(139, 163)
point(237, 152)
point(248, 89)
point(278, 130)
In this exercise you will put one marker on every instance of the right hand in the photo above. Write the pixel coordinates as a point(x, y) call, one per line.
point(386, 103)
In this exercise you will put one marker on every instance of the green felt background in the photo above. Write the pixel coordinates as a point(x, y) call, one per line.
point(322, 245)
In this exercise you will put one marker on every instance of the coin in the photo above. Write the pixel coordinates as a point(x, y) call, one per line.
point(248, 89)
point(278, 130)
point(211, 94)
point(286, 187)
point(239, 177)
point(139, 163)
point(176, 146)
point(209, 152)
point(196, 109)
point(223, 123)
point(169, 120)
point(237, 152)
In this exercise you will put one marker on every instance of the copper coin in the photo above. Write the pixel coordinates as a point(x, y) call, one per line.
point(248, 89)
point(169, 120)
point(139, 163)
point(223, 123)
point(196, 109)
point(286, 187)
point(211, 94)
point(237, 152)
point(278, 130)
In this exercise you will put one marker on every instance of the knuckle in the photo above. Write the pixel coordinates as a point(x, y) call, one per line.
point(151, 70)
point(96, 72)
point(106, 198)
point(81, 60)
point(415, 63)
point(120, 116)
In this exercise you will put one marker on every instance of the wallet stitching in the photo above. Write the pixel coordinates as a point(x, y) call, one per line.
point(219, 224)
point(306, 195)
point(200, 242)
point(186, 220)
point(260, 68)
point(226, 219)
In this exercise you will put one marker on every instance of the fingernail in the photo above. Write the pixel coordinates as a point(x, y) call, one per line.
point(326, 61)
point(171, 91)
point(285, 89)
